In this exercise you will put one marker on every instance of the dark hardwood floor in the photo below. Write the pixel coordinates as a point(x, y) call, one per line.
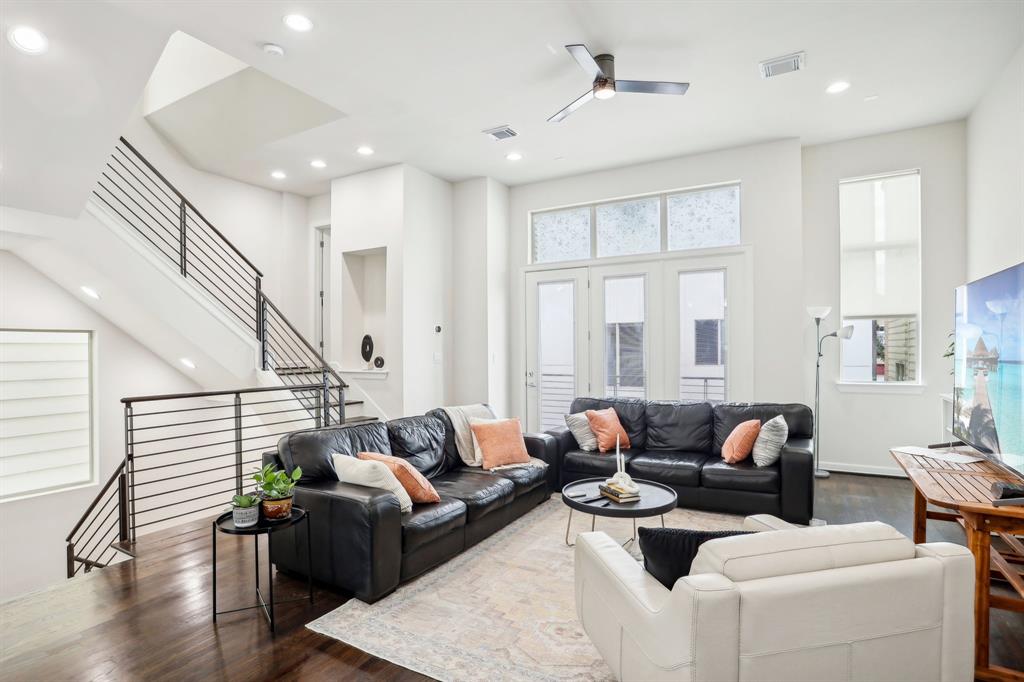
point(149, 618)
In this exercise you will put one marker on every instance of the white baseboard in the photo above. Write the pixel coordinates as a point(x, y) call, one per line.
point(863, 469)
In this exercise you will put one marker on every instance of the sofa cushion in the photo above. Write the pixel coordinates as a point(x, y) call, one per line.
point(631, 412)
point(679, 426)
point(595, 463)
point(524, 478)
point(669, 552)
point(728, 415)
point(744, 475)
point(482, 491)
point(419, 441)
point(427, 522)
point(669, 467)
point(312, 449)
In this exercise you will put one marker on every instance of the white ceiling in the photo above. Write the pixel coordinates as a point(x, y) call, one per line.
point(419, 80)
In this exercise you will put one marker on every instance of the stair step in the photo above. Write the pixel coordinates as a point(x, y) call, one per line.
point(359, 420)
point(128, 547)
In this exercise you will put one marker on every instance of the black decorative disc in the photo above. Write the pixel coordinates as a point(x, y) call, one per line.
point(367, 348)
point(378, 362)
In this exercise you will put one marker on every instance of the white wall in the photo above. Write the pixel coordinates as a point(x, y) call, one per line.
point(32, 530)
point(770, 218)
point(995, 174)
point(858, 428)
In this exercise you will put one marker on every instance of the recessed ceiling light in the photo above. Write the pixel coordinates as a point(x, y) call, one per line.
point(365, 151)
point(837, 87)
point(871, 98)
point(318, 163)
point(28, 39)
point(513, 156)
point(279, 175)
point(297, 22)
point(90, 292)
point(271, 48)
point(188, 363)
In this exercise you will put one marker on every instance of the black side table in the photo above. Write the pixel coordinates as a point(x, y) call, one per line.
point(225, 524)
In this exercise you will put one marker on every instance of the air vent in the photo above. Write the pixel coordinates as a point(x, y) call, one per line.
point(785, 64)
point(500, 133)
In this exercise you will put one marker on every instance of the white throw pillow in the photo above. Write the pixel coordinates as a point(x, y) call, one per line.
point(372, 474)
point(580, 427)
point(771, 438)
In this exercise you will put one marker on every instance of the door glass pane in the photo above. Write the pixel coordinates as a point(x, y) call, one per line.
point(556, 351)
point(705, 218)
point(702, 348)
point(561, 235)
point(625, 358)
point(629, 227)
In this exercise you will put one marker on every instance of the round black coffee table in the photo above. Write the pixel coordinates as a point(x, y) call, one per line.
point(225, 524)
point(655, 500)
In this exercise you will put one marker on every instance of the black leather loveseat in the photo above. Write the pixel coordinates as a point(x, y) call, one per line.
point(362, 543)
point(680, 444)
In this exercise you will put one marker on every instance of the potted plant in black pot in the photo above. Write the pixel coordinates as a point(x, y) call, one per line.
point(245, 510)
point(276, 489)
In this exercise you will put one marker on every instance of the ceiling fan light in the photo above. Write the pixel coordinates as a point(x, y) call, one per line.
point(604, 90)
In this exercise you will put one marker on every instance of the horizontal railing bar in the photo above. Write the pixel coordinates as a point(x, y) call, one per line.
point(214, 296)
point(132, 211)
point(178, 490)
point(288, 351)
point(175, 516)
point(174, 199)
point(173, 258)
point(95, 517)
point(207, 394)
point(170, 216)
point(207, 433)
point(254, 415)
point(91, 552)
point(246, 284)
point(294, 389)
point(189, 204)
point(210, 239)
point(110, 481)
point(107, 518)
point(234, 308)
point(190, 461)
point(102, 542)
point(302, 339)
point(190, 473)
point(191, 499)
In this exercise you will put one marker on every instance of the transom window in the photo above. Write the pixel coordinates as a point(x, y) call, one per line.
point(673, 221)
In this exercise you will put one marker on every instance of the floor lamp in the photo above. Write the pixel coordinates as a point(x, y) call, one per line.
point(819, 313)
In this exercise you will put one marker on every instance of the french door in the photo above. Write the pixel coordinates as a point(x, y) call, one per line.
point(676, 329)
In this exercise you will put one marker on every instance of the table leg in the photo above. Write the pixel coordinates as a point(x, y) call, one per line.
point(662, 520)
point(309, 559)
point(270, 576)
point(256, 544)
point(567, 525)
point(214, 526)
point(593, 522)
point(920, 517)
point(979, 542)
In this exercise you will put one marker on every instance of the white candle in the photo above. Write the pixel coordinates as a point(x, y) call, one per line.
point(618, 455)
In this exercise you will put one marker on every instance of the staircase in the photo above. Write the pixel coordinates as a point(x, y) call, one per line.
point(176, 461)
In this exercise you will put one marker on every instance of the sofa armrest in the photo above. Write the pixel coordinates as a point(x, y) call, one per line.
point(796, 473)
point(544, 447)
point(356, 535)
point(645, 631)
point(564, 442)
point(957, 607)
point(766, 522)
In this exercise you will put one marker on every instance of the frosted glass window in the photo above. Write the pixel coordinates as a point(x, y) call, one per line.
point(704, 218)
point(45, 412)
point(561, 235)
point(629, 227)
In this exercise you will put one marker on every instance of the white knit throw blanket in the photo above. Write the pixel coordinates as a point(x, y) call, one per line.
point(460, 416)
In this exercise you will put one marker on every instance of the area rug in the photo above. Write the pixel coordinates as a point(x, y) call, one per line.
point(502, 610)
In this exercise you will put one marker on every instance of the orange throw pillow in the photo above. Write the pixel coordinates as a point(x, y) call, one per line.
point(740, 442)
point(500, 442)
point(415, 483)
point(606, 425)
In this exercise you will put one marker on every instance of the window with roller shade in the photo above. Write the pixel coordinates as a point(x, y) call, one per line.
point(46, 422)
point(880, 277)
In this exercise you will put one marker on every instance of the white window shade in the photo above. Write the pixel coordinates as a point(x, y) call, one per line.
point(45, 412)
point(880, 227)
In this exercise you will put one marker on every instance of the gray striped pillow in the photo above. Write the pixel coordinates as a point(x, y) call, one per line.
point(768, 446)
point(580, 427)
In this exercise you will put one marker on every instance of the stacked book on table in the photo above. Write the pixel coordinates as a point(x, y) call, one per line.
point(615, 493)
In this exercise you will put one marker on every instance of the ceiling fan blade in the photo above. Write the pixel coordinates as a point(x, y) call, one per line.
point(652, 87)
point(579, 102)
point(586, 60)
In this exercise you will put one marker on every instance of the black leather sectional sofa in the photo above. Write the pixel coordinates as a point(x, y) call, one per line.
point(361, 542)
point(680, 444)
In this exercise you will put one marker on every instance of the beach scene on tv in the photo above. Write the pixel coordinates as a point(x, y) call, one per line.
point(988, 362)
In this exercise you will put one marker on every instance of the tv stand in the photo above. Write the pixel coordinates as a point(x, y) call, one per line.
point(964, 489)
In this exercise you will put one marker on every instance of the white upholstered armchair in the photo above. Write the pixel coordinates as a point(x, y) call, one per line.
point(848, 602)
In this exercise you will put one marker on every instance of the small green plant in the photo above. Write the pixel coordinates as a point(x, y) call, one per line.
point(274, 484)
point(245, 501)
point(951, 349)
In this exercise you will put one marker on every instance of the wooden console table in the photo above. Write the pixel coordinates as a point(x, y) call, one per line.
point(965, 489)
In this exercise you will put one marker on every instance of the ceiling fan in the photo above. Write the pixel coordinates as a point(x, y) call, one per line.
point(602, 70)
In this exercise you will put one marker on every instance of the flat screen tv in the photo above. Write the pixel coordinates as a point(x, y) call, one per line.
point(988, 360)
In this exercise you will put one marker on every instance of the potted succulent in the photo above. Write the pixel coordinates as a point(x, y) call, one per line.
point(276, 491)
point(245, 510)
